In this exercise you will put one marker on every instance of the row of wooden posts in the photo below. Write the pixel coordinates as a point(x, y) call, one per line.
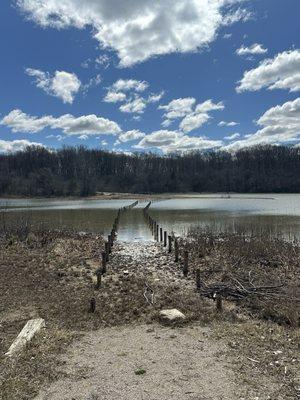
point(171, 242)
point(110, 242)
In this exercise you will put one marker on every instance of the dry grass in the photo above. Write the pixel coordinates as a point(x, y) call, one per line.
point(258, 261)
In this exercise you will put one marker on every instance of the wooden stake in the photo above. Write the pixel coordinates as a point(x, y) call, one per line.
point(170, 243)
point(161, 234)
point(198, 279)
point(165, 239)
point(186, 263)
point(107, 248)
point(219, 302)
point(103, 262)
point(98, 274)
point(92, 305)
point(176, 248)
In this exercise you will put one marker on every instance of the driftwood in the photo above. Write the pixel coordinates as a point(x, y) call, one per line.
point(27, 333)
point(238, 290)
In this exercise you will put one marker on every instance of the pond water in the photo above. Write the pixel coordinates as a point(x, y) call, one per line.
point(272, 214)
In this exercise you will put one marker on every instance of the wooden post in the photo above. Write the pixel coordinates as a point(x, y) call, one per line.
point(198, 279)
point(186, 263)
point(165, 238)
point(98, 274)
point(176, 250)
point(103, 262)
point(107, 246)
point(109, 243)
point(92, 305)
point(161, 234)
point(219, 302)
point(170, 243)
point(157, 230)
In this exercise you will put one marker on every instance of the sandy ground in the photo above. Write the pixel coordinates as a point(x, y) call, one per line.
point(181, 363)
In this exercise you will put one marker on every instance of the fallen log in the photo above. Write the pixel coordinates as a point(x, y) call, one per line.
point(32, 327)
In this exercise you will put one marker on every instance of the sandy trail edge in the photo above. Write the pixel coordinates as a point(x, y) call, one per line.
point(180, 363)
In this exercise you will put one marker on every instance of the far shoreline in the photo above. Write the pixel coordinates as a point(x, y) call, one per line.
point(152, 196)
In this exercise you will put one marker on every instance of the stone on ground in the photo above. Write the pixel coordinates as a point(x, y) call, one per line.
point(171, 315)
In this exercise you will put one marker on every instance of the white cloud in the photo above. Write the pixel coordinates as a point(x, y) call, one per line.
point(130, 84)
point(255, 48)
point(280, 124)
point(280, 72)
point(18, 121)
point(227, 35)
point(114, 97)
point(130, 135)
point(199, 116)
point(224, 123)
point(232, 137)
point(154, 98)
point(173, 141)
point(103, 61)
point(63, 85)
point(178, 108)
point(136, 105)
point(140, 29)
point(7, 146)
point(93, 82)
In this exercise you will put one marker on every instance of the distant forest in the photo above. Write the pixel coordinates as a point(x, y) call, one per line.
point(81, 172)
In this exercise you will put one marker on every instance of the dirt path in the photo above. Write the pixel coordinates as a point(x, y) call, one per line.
point(178, 363)
point(150, 361)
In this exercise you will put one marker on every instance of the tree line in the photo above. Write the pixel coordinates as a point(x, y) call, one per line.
point(78, 171)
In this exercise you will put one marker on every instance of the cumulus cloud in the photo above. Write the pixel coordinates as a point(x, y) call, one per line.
point(155, 97)
point(62, 84)
point(280, 72)
point(280, 124)
point(130, 84)
point(140, 29)
point(200, 115)
point(174, 141)
point(224, 123)
point(178, 108)
point(114, 97)
point(131, 135)
point(232, 137)
point(136, 105)
point(7, 146)
point(193, 116)
point(19, 121)
point(255, 48)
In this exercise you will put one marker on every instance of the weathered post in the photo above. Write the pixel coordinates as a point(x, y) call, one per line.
point(165, 238)
point(107, 247)
point(157, 230)
point(109, 243)
point(98, 275)
point(92, 305)
point(219, 305)
point(176, 249)
point(161, 234)
point(186, 263)
point(103, 262)
point(170, 243)
point(198, 278)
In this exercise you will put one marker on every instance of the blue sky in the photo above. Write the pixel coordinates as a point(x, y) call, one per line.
point(149, 76)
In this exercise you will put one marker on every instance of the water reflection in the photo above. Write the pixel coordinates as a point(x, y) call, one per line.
point(272, 214)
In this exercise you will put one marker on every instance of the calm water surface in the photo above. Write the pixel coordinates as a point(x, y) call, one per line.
point(274, 214)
